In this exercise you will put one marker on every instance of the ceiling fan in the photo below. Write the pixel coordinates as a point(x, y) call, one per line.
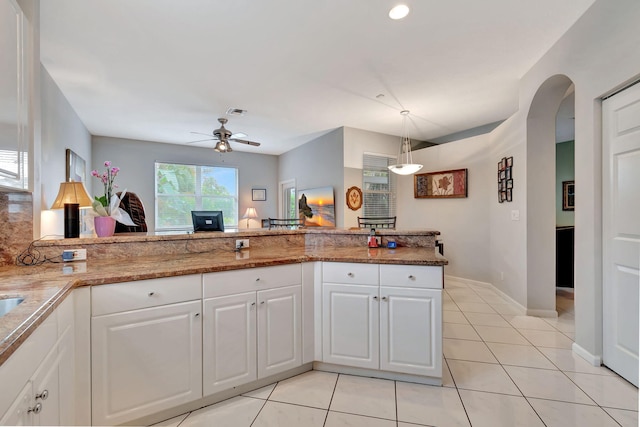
point(223, 136)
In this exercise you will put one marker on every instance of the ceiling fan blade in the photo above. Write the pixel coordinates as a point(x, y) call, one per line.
point(201, 140)
point(244, 141)
point(200, 133)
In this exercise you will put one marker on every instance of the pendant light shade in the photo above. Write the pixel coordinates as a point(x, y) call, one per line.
point(405, 165)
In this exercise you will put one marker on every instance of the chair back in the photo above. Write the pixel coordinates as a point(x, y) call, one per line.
point(285, 223)
point(132, 204)
point(377, 222)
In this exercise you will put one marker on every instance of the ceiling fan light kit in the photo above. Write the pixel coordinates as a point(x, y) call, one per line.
point(405, 165)
point(223, 136)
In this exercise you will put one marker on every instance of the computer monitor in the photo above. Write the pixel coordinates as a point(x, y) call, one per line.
point(207, 221)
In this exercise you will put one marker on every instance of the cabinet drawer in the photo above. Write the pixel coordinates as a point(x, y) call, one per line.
point(250, 279)
point(411, 276)
point(126, 296)
point(350, 273)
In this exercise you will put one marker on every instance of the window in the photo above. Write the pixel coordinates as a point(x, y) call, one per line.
point(378, 186)
point(183, 188)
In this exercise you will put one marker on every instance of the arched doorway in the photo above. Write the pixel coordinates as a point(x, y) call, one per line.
point(541, 195)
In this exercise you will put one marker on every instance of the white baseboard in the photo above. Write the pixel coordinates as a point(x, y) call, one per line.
point(522, 309)
point(591, 358)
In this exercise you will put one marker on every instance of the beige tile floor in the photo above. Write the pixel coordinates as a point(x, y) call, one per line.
point(500, 369)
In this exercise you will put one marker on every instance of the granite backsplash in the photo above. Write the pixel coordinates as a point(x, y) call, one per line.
point(16, 225)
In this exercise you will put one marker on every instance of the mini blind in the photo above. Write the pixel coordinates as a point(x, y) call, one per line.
point(378, 186)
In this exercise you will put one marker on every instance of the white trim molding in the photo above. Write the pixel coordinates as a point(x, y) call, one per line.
point(595, 360)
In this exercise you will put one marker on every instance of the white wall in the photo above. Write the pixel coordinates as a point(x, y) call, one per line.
point(462, 222)
point(317, 163)
point(598, 54)
point(61, 129)
point(136, 160)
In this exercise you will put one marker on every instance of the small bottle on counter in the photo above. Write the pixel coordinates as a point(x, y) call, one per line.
point(373, 242)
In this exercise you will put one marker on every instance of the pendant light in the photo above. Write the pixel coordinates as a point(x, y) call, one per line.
point(405, 165)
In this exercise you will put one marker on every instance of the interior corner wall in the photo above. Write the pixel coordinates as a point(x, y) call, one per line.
point(565, 171)
point(61, 128)
point(318, 163)
point(136, 160)
point(599, 54)
point(462, 222)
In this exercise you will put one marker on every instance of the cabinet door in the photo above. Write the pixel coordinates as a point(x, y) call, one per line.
point(350, 329)
point(46, 391)
point(144, 361)
point(279, 330)
point(18, 413)
point(411, 331)
point(229, 342)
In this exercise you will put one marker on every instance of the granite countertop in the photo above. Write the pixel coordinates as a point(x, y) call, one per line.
point(44, 287)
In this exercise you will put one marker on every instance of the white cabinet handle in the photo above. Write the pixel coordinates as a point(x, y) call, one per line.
point(43, 395)
point(36, 409)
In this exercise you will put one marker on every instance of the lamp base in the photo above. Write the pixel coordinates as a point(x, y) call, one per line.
point(71, 220)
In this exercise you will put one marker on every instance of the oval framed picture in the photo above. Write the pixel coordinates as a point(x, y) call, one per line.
point(354, 198)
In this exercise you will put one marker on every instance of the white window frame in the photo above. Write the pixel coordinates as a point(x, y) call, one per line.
point(372, 211)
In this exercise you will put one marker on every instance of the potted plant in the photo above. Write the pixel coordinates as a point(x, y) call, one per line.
point(106, 208)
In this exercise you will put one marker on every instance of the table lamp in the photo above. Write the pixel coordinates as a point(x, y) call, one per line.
point(250, 213)
point(71, 196)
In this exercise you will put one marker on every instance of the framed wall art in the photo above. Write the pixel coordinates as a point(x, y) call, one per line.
point(440, 185)
point(76, 167)
point(568, 196)
point(505, 180)
point(259, 194)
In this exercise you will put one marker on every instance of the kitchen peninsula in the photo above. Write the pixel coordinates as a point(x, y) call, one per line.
point(305, 296)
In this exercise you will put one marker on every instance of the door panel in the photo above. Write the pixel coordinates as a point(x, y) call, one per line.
point(621, 232)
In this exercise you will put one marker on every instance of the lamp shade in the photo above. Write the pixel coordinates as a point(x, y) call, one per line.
point(250, 213)
point(72, 192)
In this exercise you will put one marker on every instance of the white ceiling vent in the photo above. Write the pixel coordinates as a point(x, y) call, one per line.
point(236, 112)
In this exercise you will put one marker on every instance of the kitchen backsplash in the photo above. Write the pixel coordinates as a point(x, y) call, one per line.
point(16, 225)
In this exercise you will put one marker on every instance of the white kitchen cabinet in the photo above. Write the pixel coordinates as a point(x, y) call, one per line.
point(252, 325)
point(145, 360)
point(229, 345)
point(410, 331)
point(149, 357)
point(383, 317)
point(43, 367)
point(279, 330)
point(350, 319)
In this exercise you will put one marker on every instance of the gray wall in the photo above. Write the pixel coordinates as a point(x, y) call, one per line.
point(136, 160)
point(61, 129)
point(565, 171)
point(318, 163)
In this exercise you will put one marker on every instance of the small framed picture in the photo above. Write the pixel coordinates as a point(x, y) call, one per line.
point(509, 184)
point(507, 173)
point(503, 174)
point(508, 196)
point(509, 162)
point(259, 194)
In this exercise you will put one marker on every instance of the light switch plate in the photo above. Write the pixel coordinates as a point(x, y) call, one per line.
point(515, 215)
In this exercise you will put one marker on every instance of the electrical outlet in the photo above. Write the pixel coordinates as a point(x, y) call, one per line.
point(74, 255)
point(242, 243)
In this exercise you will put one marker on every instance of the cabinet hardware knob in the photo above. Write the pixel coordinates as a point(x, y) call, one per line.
point(197, 315)
point(43, 395)
point(151, 294)
point(261, 302)
point(384, 298)
point(258, 279)
point(412, 277)
point(252, 304)
point(350, 274)
point(375, 298)
point(36, 409)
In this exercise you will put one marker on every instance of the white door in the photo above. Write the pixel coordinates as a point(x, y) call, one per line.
point(144, 361)
point(279, 330)
point(621, 231)
point(350, 325)
point(229, 342)
point(411, 331)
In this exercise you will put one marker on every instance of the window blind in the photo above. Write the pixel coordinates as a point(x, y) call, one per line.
point(378, 186)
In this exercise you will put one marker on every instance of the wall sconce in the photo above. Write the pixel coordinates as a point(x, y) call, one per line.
point(250, 213)
point(71, 196)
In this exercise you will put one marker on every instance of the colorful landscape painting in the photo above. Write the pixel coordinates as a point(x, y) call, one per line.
point(316, 206)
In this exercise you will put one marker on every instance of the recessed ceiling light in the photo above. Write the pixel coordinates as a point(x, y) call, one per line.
point(399, 11)
point(236, 112)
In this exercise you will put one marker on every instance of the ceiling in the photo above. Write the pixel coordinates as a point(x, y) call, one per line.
point(158, 70)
